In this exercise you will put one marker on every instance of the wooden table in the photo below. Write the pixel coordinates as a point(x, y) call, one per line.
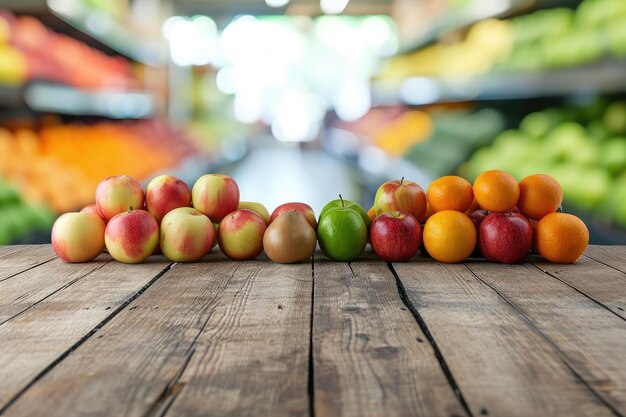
point(223, 338)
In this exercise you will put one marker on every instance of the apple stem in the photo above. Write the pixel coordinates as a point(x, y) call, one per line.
point(341, 198)
point(402, 180)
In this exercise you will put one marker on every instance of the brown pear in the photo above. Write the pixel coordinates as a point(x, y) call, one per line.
point(290, 238)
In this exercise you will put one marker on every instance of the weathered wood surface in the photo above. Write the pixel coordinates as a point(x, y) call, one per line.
point(501, 364)
point(257, 338)
point(590, 339)
point(613, 256)
point(370, 357)
point(598, 281)
point(17, 259)
point(46, 332)
point(229, 339)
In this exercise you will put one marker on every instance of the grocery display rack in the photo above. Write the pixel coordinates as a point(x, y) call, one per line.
point(605, 77)
point(92, 27)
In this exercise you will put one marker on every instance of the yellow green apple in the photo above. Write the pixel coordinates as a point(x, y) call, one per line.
point(258, 208)
point(240, 234)
point(215, 195)
point(118, 194)
point(78, 237)
point(186, 235)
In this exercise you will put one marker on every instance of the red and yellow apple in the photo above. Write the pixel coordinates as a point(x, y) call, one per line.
point(401, 195)
point(91, 208)
point(303, 208)
point(258, 208)
point(215, 195)
point(186, 235)
point(240, 234)
point(118, 194)
point(132, 236)
point(78, 237)
point(165, 193)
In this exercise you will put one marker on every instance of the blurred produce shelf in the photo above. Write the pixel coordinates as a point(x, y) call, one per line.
point(44, 97)
point(464, 16)
point(600, 78)
point(97, 25)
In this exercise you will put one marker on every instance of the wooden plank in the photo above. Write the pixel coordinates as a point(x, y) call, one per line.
point(34, 340)
point(600, 282)
point(501, 364)
point(228, 338)
point(16, 259)
point(253, 357)
point(614, 256)
point(25, 290)
point(589, 338)
point(370, 355)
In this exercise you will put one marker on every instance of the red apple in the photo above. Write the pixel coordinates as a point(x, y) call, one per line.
point(215, 195)
point(132, 236)
point(395, 236)
point(78, 237)
point(505, 237)
point(118, 194)
point(401, 195)
point(186, 235)
point(477, 217)
point(240, 234)
point(303, 208)
point(165, 193)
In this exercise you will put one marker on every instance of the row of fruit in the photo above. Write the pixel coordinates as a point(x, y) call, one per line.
point(60, 164)
point(29, 50)
point(548, 38)
point(584, 148)
point(497, 216)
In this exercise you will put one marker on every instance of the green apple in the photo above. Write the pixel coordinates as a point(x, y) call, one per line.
point(340, 202)
point(342, 234)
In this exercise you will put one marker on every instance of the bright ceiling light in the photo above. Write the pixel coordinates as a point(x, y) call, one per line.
point(276, 3)
point(333, 6)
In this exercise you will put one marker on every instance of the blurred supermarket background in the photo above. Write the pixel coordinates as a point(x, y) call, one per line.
point(301, 100)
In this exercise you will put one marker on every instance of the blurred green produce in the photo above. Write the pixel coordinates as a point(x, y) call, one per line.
point(455, 136)
point(17, 219)
point(561, 37)
point(584, 148)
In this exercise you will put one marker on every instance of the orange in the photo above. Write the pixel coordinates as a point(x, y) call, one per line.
point(449, 236)
point(474, 206)
point(561, 237)
point(539, 195)
point(450, 193)
point(496, 191)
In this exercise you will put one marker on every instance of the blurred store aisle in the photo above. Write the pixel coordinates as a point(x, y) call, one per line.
point(275, 173)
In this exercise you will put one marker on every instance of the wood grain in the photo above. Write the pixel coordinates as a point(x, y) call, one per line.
point(501, 364)
point(21, 292)
point(253, 357)
point(18, 258)
point(35, 339)
point(602, 283)
point(590, 339)
point(228, 338)
point(613, 256)
point(370, 356)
